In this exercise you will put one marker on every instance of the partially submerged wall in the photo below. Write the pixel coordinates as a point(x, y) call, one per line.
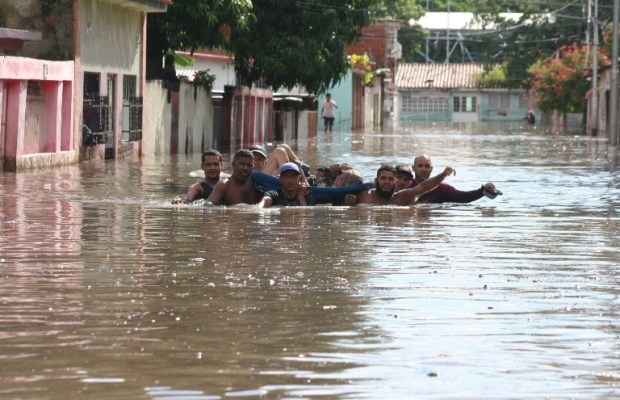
point(182, 126)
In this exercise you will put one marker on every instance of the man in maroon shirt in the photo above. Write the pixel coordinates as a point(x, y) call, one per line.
point(444, 193)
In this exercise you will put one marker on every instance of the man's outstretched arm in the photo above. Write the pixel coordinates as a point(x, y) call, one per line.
point(408, 196)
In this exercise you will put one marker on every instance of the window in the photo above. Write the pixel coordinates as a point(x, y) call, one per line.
point(464, 104)
point(499, 101)
point(424, 105)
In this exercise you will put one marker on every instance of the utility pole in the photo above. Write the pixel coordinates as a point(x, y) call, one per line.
point(448, 36)
point(613, 97)
point(594, 99)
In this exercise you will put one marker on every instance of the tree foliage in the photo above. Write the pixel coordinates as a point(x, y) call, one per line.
point(558, 81)
point(294, 43)
point(397, 9)
point(494, 77)
point(190, 24)
point(281, 43)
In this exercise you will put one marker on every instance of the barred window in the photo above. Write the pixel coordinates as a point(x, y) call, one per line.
point(424, 104)
point(464, 104)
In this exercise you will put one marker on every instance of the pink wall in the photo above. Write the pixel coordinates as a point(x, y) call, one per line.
point(56, 81)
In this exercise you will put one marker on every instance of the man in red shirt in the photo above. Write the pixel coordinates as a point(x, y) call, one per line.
point(444, 193)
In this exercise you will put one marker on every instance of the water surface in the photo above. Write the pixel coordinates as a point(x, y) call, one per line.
point(109, 291)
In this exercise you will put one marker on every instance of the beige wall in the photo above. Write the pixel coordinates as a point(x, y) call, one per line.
point(195, 122)
point(110, 38)
point(157, 120)
point(195, 119)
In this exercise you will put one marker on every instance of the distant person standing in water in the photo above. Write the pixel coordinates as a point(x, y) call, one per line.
point(327, 112)
point(530, 117)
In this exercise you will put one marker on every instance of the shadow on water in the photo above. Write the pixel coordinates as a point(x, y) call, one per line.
point(108, 290)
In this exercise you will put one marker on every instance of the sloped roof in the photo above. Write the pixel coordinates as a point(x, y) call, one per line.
point(438, 76)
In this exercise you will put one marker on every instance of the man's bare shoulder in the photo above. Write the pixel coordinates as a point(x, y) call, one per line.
point(222, 181)
point(365, 196)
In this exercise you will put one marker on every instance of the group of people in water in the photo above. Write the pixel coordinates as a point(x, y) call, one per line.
point(253, 181)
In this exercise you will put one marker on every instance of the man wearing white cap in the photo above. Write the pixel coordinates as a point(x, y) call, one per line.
point(292, 192)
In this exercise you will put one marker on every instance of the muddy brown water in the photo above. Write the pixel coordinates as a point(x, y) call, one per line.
point(109, 291)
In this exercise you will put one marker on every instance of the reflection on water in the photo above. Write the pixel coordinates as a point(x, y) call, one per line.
point(108, 291)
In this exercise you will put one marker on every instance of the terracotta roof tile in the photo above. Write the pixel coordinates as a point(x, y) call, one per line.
point(439, 76)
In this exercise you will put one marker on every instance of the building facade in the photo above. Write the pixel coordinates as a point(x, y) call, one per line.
point(87, 69)
point(452, 92)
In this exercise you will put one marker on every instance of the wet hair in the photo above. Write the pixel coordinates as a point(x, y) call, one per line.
point(243, 153)
point(353, 177)
point(386, 167)
point(212, 152)
point(404, 170)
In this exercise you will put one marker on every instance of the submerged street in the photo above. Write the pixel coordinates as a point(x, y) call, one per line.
point(110, 291)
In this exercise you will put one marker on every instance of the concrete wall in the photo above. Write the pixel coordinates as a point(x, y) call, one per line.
point(513, 112)
point(195, 119)
point(302, 121)
point(42, 135)
point(373, 104)
point(516, 111)
point(185, 125)
point(598, 116)
point(156, 129)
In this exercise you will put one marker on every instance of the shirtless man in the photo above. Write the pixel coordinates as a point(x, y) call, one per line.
point(212, 166)
point(384, 191)
point(444, 193)
point(239, 188)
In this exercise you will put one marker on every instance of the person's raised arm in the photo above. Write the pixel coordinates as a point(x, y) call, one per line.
point(408, 196)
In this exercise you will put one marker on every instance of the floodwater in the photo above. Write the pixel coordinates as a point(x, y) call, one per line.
point(110, 292)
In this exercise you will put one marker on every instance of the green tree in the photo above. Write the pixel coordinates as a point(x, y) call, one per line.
point(281, 43)
point(397, 9)
point(558, 81)
point(192, 24)
point(294, 43)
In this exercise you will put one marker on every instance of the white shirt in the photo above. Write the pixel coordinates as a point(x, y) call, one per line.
point(328, 109)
